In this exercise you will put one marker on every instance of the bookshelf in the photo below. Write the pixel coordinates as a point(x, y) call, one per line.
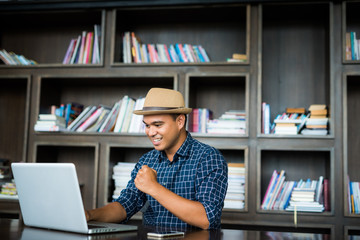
point(295, 56)
point(292, 61)
point(48, 39)
point(199, 27)
point(351, 101)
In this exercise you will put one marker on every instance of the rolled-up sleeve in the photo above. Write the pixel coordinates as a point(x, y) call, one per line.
point(211, 183)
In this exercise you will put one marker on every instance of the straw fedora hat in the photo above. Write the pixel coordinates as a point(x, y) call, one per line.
point(163, 101)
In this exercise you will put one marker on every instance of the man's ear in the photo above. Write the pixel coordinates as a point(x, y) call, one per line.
point(180, 121)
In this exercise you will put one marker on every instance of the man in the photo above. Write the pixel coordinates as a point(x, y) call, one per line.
point(181, 183)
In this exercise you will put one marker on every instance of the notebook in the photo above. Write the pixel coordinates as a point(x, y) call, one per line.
point(49, 197)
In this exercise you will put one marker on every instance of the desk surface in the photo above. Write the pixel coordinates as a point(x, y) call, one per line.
point(14, 229)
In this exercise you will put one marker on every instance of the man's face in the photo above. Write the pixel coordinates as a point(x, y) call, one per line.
point(163, 131)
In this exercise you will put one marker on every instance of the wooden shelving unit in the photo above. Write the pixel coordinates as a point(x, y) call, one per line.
point(295, 57)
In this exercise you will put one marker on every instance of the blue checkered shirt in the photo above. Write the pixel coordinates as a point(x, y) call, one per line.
point(198, 172)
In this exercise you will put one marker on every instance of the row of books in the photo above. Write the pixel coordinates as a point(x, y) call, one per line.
point(121, 176)
point(235, 195)
point(101, 118)
point(198, 120)
point(313, 121)
point(11, 58)
point(353, 196)
point(85, 49)
point(306, 196)
point(352, 46)
point(134, 51)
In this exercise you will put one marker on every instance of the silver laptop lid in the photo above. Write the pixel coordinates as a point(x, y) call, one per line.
point(49, 196)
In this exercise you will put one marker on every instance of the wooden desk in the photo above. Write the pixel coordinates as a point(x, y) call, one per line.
point(11, 229)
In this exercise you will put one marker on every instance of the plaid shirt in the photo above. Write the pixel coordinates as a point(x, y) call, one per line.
point(198, 172)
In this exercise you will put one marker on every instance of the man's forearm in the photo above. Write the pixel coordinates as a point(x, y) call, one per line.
point(113, 212)
point(191, 212)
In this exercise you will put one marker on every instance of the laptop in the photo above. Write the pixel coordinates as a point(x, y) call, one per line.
point(49, 197)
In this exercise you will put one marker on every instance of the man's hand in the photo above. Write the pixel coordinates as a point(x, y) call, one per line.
point(146, 179)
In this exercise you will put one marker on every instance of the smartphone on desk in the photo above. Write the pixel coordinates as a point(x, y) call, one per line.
point(165, 234)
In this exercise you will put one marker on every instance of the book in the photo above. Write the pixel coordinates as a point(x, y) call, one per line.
point(318, 109)
point(51, 117)
point(110, 121)
point(277, 187)
point(348, 54)
point(75, 53)
point(50, 128)
point(69, 51)
point(128, 115)
point(82, 47)
point(90, 120)
point(326, 195)
point(122, 113)
point(300, 110)
point(81, 118)
point(96, 125)
point(96, 47)
point(265, 118)
point(88, 47)
point(269, 189)
point(204, 54)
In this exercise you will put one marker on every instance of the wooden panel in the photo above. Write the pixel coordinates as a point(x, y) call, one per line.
point(295, 56)
point(353, 130)
point(13, 97)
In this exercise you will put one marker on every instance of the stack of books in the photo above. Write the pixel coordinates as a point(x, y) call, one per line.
point(230, 122)
point(50, 123)
point(8, 189)
point(136, 52)
point(235, 195)
point(317, 123)
point(291, 121)
point(85, 49)
point(237, 57)
point(307, 196)
point(121, 176)
point(198, 119)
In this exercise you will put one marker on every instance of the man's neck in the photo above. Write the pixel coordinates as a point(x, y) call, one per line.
point(171, 153)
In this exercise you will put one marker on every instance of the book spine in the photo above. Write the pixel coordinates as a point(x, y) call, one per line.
point(273, 176)
point(82, 48)
point(69, 51)
point(326, 195)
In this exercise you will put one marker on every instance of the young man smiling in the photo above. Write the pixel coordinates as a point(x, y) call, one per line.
point(181, 183)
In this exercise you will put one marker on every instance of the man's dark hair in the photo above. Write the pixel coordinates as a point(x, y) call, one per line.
point(175, 115)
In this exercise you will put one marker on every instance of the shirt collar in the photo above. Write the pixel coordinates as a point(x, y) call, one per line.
point(182, 151)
